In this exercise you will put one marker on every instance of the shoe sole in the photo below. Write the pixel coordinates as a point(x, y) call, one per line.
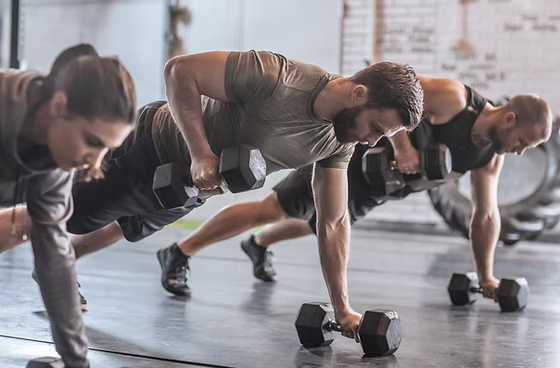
point(160, 260)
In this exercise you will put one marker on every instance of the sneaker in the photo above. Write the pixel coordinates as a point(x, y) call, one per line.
point(83, 300)
point(261, 257)
point(174, 270)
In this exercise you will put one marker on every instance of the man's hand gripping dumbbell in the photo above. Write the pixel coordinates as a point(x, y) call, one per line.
point(241, 168)
point(383, 174)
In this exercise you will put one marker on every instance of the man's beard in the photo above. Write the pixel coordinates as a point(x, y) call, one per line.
point(344, 122)
point(495, 140)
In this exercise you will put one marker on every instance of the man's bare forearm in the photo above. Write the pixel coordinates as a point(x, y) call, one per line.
point(400, 141)
point(485, 232)
point(334, 247)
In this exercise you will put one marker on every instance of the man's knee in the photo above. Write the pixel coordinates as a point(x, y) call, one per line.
point(271, 210)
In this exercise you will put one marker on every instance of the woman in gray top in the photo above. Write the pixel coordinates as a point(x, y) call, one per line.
point(51, 127)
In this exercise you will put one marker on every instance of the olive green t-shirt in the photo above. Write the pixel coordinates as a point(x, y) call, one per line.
point(270, 107)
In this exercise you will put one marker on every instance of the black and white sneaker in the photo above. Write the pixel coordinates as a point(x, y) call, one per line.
point(174, 270)
point(262, 259)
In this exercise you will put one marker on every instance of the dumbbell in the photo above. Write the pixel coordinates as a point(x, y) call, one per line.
point(379, 330)
point(45, 362)
point(383, 175)
point(242, 168)
point(435, 162)
point(511, 294)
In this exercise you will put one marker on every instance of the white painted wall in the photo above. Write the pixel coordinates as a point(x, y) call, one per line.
point(306, 30)
point(134, 31)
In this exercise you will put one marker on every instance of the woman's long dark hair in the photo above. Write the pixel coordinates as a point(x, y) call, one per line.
point(95, 87)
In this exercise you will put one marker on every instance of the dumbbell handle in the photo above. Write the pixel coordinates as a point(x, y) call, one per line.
point(333, 326)
point(188, 181)
point(476, 289)
point(479, 289)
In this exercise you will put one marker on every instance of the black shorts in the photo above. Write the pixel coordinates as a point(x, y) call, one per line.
point(295, 195)
point(125, 194)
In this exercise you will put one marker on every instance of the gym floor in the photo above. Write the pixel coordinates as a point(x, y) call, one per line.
point(232, 320)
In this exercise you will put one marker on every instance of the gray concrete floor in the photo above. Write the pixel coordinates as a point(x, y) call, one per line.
point(236, 321)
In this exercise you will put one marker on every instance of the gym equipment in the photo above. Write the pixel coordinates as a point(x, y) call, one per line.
point(45, 362)
point(382, 173)
point(379, 330)
point(511, 294)
point(173, 187)
point(435, 162)
point(242, 168)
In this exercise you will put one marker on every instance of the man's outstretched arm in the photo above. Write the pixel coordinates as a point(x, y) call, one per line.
point(333, 235)
point(485, 224)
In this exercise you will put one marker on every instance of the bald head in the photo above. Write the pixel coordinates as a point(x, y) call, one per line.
point(533, 110)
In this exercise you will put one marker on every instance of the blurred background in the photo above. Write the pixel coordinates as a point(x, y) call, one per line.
point(500, 47)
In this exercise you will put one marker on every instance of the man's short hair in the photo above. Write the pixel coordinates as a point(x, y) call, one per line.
point(393, 86)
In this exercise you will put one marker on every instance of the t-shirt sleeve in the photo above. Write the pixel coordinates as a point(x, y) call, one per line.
point(340, 159)
point(252, 76)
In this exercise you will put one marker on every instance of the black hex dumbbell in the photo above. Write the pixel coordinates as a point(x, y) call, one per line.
point(242, 168)
point(435, 162)
point(511, 294)
point(379, 331)
point(45, 362)
point(382, 173)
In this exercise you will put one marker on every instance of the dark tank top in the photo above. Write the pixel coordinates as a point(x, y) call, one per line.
point(455, 134)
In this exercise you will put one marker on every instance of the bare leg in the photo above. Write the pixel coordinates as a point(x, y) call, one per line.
point(97, 240)
point(9, 240)
point(233, 220)
point(284, 230)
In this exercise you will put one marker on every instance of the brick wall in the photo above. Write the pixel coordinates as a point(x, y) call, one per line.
point(497, 46)
point(357, 35)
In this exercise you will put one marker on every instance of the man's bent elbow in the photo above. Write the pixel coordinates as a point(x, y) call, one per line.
point(173, 67)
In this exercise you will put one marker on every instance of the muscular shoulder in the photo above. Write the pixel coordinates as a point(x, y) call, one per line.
point(264, 73)
point(443, 98)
